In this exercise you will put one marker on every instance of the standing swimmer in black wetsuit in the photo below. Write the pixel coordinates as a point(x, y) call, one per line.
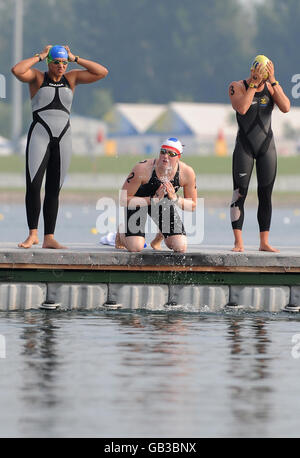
point(49, 138)
point(254, 99)
point(150, 189)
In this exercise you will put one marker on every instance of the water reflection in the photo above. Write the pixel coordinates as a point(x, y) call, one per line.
point(39, 372)
point(249, 370)
point(161, 374)
point(158, 352)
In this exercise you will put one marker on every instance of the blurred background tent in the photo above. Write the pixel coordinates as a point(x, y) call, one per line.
point(196, 124)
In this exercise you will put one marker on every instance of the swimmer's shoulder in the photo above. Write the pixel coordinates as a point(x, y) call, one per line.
point(186, 173)
point(236, 86)
point(143, 169)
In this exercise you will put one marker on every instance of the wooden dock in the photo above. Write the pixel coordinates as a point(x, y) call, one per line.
point(204, 278)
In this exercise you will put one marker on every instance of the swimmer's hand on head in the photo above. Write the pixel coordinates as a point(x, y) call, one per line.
point(45, 52)
point(271, 72)
point(71, 57)
point(256, 76)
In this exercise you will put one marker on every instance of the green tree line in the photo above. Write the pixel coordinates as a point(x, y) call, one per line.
point(156, 51)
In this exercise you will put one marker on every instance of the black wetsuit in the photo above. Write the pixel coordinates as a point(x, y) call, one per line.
point(164, 213)
point(254, 141)
point(48, 148)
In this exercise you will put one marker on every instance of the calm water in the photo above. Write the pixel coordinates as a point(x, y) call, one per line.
point(123, 374)
point(149, 375)
point(77, 223)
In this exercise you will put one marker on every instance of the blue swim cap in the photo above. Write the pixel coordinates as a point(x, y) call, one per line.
point(57, 52)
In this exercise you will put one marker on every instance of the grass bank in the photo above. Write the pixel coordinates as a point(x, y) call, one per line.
point(211, 198)
point(123, 164)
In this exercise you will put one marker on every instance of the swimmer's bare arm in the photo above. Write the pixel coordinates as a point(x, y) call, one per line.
point(277, 93)
point(241, 98)
point(139, 175)
point(93, 71)
point(23, 71)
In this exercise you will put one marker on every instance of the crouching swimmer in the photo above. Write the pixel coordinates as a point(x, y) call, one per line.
point(150, 189)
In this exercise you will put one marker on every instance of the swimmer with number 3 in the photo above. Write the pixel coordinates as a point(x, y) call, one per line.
point(49, 147)
point(253, 100)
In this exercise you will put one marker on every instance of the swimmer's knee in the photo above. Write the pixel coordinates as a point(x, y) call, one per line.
point(177, 243)
point(180, 249)
point(135, 246)
point(134, 249)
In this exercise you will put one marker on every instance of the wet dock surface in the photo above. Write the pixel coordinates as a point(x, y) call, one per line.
point(197, 257)
point(205, 278)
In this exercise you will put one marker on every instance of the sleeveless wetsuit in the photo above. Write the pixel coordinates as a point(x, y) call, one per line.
point(254, 141)
point(49, 149)
point(164, 213)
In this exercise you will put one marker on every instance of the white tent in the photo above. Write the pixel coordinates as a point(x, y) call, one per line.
point(206, 119)
point(140, 128)
point(132, 118)
point(197, 125)
point(127, 126)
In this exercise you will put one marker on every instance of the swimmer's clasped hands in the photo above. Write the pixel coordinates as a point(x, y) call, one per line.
point(169, 188)
point(159, 195)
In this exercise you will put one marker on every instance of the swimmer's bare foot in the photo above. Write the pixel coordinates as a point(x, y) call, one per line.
point(267, 247)
point(238, 248)
point(238, 241)
point(32, 239)
point(118, 243)
point(156, 242)
point(264, 243)
point(29, 242)
point(50, 242)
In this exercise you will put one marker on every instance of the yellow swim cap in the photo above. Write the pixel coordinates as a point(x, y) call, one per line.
point(260, 59)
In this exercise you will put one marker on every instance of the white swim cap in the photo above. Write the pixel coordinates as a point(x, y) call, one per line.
point(173, 144)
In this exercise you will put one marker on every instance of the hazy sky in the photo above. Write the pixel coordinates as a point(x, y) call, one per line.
point(249, 2)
